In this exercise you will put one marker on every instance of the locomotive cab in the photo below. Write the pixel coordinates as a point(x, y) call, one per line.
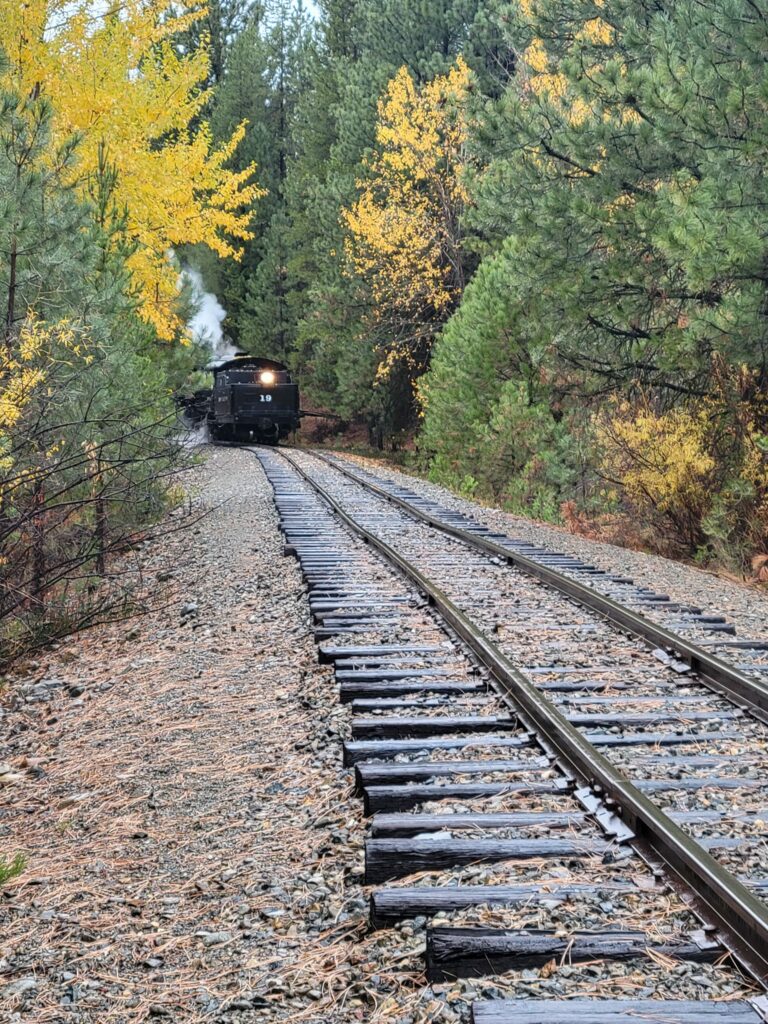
point(253, 399)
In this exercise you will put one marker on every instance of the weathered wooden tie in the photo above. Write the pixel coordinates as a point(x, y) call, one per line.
point(363, 750)
point(629, 720)
point(691, 785)
point(614, 1011)
point(392, 825)
point(410, 703)
point(390, 905)
point(403, 798)
point(478, 952)
point(355, 690)
point(367, 774)
point(331, 653)
point(386, 859)
point(370, 728)
point(381, 674)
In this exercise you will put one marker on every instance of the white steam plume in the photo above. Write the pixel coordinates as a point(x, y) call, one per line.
point(205, 325)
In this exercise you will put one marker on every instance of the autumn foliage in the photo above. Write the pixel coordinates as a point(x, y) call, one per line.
point(607, 365)
point(120, 87)
point(697, 475)
point(107, 166)
point(405, 229)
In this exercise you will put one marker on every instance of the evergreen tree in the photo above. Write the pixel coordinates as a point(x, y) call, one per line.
point(219, 27)
point(84, 417)
point(262, 84)
point(335, 341)
point(632, 190)
point(39, 216)
point(621, 207)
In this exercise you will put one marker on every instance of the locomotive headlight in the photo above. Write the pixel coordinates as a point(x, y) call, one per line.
point(267, 377)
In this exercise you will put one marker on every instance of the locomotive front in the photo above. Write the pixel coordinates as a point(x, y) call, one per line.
point(253, 399)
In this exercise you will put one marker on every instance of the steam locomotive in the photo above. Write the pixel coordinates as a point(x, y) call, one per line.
point(252, 399)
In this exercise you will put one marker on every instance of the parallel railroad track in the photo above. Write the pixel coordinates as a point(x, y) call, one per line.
point(719, 661)
point(464, 759)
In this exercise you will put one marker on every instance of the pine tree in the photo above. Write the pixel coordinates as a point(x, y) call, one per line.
point(621, 209)
point(633, 191)
point(43, 229)
point(335, 342)
point(83, 383)
point(262, 85)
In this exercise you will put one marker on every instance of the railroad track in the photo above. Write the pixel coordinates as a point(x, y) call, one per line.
point(501, 727)
point(682, 635)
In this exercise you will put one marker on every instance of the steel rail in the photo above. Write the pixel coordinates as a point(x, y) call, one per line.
point(740, 918)
point(749, 693)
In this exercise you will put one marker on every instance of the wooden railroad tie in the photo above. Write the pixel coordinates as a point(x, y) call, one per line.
point(478, 952)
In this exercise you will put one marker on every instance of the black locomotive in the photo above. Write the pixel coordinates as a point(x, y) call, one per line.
point(252, 399)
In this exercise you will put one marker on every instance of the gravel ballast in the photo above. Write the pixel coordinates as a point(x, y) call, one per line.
point(194, 848)
point(194, 851)
point(744, 605)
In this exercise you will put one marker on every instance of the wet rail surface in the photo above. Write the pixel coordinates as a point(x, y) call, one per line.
point(480, 810)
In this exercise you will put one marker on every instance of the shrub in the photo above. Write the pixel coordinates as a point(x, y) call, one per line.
point(11, 868)
point(699, 474)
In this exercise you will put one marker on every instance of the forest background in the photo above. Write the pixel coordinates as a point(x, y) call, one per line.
point(529, 235)
point(520, 242)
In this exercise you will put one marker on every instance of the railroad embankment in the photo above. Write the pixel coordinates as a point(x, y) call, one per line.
point(193, 851)
point(194, 845)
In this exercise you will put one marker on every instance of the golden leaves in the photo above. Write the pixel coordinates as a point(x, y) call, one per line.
point(536, 57)
point(404, 232)
point(116, 80)
point(23, 369)
point(597, 31)
point(661, 456)
point(677, 460)
point(553, 84)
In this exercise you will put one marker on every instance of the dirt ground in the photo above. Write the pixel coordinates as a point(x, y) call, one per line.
point(193, 848)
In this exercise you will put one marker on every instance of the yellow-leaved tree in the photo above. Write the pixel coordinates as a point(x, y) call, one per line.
point(698, 474)
point(116, 81)
point(405, 229)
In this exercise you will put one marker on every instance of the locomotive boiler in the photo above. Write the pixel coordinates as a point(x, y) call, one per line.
point(252, 399)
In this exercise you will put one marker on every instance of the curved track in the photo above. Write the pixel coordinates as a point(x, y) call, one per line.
point(617, 598)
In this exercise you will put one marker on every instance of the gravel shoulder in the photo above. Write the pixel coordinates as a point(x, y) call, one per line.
point(194, 848)
point(194, 851)
point(742, 604)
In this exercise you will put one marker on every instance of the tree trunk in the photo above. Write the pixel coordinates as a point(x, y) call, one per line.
point(38, 548)
point(10, 312)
